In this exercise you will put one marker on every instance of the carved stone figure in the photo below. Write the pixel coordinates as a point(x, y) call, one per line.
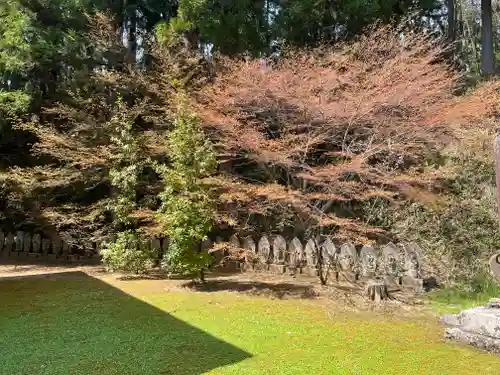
point(251, 249)
point(279, 250)
point(412, 260)
point(391, 256)
point(328, 252)
point(348, 257)
point(264, 248)
point(392, 266)
point(311, 251)
point(368, 261)
point(294, 251)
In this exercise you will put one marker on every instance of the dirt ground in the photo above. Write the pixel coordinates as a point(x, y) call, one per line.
point(343, 297)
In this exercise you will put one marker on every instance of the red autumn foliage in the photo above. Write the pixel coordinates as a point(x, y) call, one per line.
point(306, 143)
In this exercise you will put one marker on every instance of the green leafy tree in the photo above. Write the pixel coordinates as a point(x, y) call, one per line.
point(233, 27)
point(310, 22)
point(188, 208)
point(40, 43)
point(171, 33)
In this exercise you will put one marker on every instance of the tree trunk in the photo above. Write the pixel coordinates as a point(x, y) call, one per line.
point(487, 53)
point(452, 22)
point(201, 275)
point(376, 290)
point(496, 159)
point(132, 39)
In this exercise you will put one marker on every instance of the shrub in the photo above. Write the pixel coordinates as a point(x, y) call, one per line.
point(462, 231)
point(128, 253)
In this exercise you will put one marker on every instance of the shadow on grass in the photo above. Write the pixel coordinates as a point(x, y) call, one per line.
point(279, 291)
point(71, 323)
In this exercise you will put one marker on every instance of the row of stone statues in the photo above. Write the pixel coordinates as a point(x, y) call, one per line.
point(401, 260)
point(391, 260)
point(27, 243)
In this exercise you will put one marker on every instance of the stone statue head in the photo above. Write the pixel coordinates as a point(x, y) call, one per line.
point(346, 262)
point(371, 264)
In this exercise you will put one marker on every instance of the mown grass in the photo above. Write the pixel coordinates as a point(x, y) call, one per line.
point(81, 325)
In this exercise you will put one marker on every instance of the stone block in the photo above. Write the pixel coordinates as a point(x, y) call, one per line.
point(310, 271)
point(348, 277)
point(493, 303)
point(331, 277)
point(260, 267)
point(479, 341)
point(246, 267)
point(392, 281)
point(95, 259)
point(18, 255)
point(32, 256)
point(366, 278)
point(479, 326)
point(292, 271)
point(481, 320)
point(232, 265)
point(277, 268)
point(411, 283)
point(368, 275)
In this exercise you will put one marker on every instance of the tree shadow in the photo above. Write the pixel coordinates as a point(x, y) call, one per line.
point(159, 274)
point(72, 323)
point(279, 290)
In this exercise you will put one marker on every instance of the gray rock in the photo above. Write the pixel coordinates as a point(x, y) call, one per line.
point(451, 320)
point(479, 341)
point(493, 303)
point(481, 320)
point(479, 326)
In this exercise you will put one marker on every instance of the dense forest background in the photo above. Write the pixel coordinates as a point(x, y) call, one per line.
point(364, 120)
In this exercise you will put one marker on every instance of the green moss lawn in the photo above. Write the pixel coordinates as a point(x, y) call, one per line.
point(83, 325)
